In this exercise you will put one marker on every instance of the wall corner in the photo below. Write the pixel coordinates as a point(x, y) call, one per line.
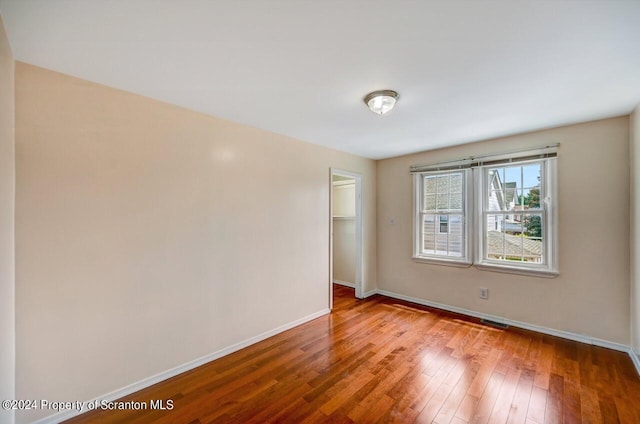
point(634, 248)
point(7, 225)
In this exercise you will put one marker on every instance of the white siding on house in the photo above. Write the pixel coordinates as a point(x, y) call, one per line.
point(450, 243)
point(443, 222)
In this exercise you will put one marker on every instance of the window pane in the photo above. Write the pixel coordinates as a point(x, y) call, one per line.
point(514, 188)
point(441, 244)
point(531, 175)
point(495, 237)
point(429, 234)
point(520, 200)
point(510, 199)
point(456, 183)
point(532, 225)
point(532, 198)
point(443, 183)
point(533, 238)
point(513, 224)
point(442, 202)
point(495, 222)
point(493, 178)
point(455, 202)
point(513, 176)
point(429, 185)
point(531, 185)
point(456, 234)
point(496, 200)
point(430, 202)
point(443, 235)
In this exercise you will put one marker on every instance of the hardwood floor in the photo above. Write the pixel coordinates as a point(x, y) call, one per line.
point(383, 360)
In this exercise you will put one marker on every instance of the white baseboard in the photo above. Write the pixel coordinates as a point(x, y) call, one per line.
point(635, 358)
point(149, 381)
point(345, 283)
point(370, 293)
point(537, 328)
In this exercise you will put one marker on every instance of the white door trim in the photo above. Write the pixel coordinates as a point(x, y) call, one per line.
point(359, 230)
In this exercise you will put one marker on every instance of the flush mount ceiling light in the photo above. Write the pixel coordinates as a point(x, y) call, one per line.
point(381, 101)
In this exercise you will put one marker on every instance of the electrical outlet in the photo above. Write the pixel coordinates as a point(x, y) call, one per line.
point(484, 293)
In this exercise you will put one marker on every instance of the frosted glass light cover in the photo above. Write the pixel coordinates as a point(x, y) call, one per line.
point(381, 102)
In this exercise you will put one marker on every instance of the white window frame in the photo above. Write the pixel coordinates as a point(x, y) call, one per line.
point(418, 202)
point(548, 210)
point(475, 193)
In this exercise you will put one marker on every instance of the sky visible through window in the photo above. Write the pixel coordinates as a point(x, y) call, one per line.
point(530, 174)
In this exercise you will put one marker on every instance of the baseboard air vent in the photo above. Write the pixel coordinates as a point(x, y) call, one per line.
point(495, 324)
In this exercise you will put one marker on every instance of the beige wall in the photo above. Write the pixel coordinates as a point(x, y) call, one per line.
point(635, 229)
point(344, 250)
point(148, 235)
point(344, 232)
point(7, 202)
point(591, 295)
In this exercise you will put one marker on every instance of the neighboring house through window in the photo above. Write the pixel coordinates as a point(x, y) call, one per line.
point(515, 210)
point(443, 225)
point(441, 214)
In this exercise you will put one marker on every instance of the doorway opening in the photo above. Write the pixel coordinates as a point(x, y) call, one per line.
point(345, 259)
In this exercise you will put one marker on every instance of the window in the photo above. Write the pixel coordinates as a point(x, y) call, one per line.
point(517, 216)
point(512, 218)
point(441, 209)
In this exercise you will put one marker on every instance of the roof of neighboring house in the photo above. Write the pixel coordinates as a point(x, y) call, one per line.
point(513, 245)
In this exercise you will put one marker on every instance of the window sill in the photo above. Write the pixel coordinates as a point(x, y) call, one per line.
point(446, 262)
point(543, 273)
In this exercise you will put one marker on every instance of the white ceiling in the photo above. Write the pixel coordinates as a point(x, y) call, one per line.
point(465, 70)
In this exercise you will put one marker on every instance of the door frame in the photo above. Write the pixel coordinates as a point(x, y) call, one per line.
point(359, 231)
